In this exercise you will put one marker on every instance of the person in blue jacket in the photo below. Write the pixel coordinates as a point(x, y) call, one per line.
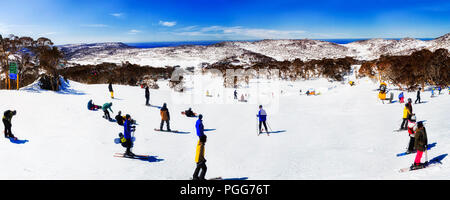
point(262, 115)
point(127, 135)
point(199, 126)
point(401, 97)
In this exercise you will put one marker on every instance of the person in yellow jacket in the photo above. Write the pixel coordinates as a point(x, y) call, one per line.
point(406, 114)
point(200, 160)
point(165, 117)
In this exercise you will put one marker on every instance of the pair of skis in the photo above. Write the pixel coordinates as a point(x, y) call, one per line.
point(122, 155)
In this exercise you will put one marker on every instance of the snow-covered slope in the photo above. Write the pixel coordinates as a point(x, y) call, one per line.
point(344, 133)
point(247, 53)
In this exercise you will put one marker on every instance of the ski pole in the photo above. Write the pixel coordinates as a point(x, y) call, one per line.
point(269, 126)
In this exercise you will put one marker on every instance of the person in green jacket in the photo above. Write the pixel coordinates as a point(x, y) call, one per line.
point(105, 108)
point(420, 144)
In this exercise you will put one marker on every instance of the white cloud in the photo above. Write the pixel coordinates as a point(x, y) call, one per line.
point(222, 31)
point(95, 25)
point(168, 24)
point(134, 32)
point(118, 15)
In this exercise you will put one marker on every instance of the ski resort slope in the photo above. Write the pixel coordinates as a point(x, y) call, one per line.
point(343, 133)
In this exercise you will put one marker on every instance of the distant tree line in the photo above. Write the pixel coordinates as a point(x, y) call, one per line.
point(410, 72)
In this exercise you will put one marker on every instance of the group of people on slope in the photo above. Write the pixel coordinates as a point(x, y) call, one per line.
point(418, 136)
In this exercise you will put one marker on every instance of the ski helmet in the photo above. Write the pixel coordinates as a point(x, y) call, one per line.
point(413, 117)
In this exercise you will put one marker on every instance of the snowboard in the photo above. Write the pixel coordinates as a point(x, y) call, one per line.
point(406, 153)
point(171, 131)
point(427, 165)
point(122, 155)
point(210, 179)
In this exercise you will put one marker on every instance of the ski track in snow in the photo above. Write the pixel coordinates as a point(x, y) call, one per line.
point(344, 133)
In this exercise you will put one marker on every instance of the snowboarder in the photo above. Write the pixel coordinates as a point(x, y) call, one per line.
point(111, 90)
point(119, 118)
point(418, 96)
point(147, 96)
point(406, 113)
point(189, 113)
point(199, 126)
point(262, 115)
point(165, 117)
point(401, 98)
point(200, 160)
point(411, 130)
point(420, 144)
point(7, 117)
point(105, 108)
point(92, 106)
point(127, 135)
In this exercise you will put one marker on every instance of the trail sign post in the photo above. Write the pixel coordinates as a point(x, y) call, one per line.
point(13, 74)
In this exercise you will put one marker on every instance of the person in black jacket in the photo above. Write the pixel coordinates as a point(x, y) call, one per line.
point(418, 97)
point(147, 96)
point(119, 118)
point(111, 90)
point(7, 116)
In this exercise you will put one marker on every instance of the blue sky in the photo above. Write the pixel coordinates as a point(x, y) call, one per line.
point(83, 21)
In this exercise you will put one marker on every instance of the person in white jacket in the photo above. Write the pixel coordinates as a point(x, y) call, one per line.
point(411, 130)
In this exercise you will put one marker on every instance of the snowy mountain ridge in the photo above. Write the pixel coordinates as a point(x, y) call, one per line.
point(242, 52)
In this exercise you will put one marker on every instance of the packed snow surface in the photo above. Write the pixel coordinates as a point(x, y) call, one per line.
point(343, 133)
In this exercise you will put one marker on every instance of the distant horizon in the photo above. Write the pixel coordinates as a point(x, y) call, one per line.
point(250, 40)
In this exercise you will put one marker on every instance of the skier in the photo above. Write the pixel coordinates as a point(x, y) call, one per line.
point(127, 135)
point(199, 126)
point(200, 160)
point(432, 92)
point(401, 97)
point(119, 118)
point(262, 115)
point(418, 96)
point(7, 117)
point(111, 90)
point(147, 96)
point(420, 144)
point(165, 117)
point(406, 113)
point(235, 94)
point(439, 89)
point(411, 130)
point(105, 108)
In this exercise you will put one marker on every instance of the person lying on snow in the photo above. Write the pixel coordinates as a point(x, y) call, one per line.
point(92, 106)
point(189, 113)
